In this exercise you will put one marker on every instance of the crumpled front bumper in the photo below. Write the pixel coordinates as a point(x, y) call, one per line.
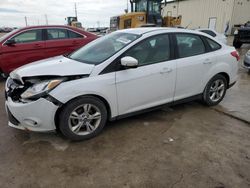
point(36, 116)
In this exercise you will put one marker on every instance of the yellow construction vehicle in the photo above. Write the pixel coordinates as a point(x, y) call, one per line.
point(144, 13)
point(72, 21)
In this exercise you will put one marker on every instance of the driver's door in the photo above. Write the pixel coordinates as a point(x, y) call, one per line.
point(152, 83)
point(28, 47)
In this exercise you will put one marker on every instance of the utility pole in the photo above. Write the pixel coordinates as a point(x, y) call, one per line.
point(26, 23)
point(76, 11)
point(46, 19)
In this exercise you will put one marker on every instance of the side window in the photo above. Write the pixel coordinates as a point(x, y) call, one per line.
point(74, 35)
point(57, 34)
point(152, 50)
point(209, 32)
point(214, 45)
point(29, 36)
point(189, 45)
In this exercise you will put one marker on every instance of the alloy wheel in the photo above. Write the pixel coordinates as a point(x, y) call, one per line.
point(84, 119)
point(217, 90)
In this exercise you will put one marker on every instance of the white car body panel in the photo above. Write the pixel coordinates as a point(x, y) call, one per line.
point(102, 86)
point(41, 111)
point(137, 88)
point(125, 91)
point(191, 75)
point(59, 65)
point(219, 36)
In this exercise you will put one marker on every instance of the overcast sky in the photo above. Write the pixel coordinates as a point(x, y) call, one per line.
point(90, 12)
point(12, 12)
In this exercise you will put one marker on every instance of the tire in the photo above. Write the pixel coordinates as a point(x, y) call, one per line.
point(213, 95)
point(237, 44)
point(79, 119)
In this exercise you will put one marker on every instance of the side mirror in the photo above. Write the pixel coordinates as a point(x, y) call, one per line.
point(10, 42)
point(129, 62)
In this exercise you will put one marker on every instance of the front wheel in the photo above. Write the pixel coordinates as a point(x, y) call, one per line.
point(215, 90)
point(83, 118)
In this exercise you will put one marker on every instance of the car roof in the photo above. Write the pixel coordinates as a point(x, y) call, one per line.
point(57, 26)
point(144, 30)
point(46, 26)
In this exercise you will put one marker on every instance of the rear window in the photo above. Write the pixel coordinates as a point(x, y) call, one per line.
point(209, 32)
point(214, 45)
point(74, 35)
point(189, 45)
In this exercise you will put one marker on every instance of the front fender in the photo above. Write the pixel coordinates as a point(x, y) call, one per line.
point(101, 85)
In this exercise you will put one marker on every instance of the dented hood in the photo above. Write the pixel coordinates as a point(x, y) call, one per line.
point(56, 66)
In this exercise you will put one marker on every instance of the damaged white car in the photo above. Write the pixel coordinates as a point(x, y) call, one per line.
point(118, 75)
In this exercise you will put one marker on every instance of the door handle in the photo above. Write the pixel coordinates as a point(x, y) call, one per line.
point(166, 70)
point(207, 61)
point(37, 46)
point(75, 42)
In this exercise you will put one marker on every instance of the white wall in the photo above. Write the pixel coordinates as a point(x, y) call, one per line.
point(241, 13)
point(196, 13)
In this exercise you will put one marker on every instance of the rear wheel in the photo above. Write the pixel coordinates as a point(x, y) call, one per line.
point(215, 90)
point(83, 118)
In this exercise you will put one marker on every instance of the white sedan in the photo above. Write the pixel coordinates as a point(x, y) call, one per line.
point(218, 36)
point(119, 75)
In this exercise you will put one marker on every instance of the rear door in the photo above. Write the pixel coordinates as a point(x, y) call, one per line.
point(29, 47)
point(57, 42)
point(193, 64)
point(78, 40)
point(62, 41)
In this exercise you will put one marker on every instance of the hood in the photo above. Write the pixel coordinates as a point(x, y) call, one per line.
point(56, 66)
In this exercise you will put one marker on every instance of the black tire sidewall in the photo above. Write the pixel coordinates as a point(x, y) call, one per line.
point(206, 97)
point(69, 107)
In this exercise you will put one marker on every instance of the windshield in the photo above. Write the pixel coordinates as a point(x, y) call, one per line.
point(2, 38)
point(141, 6)
point(154, 7)
point(103, 48)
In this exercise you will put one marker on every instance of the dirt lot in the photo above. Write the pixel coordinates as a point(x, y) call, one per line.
point(185, 146)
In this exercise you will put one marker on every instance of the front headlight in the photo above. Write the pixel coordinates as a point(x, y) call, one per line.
point(40, 89)
point(236, 32)
point(248, 53)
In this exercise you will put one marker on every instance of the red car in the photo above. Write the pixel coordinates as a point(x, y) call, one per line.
point(30, 44)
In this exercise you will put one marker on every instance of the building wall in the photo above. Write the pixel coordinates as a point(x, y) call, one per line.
point(241, 12)
point(196, 13)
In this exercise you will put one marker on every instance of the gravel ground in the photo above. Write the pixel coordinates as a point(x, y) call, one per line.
point(188, 145)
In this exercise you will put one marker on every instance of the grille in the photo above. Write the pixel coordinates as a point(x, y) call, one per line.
point(15, 89)
point(12, 119)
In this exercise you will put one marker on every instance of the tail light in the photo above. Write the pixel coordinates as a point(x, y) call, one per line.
point(236, 55)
